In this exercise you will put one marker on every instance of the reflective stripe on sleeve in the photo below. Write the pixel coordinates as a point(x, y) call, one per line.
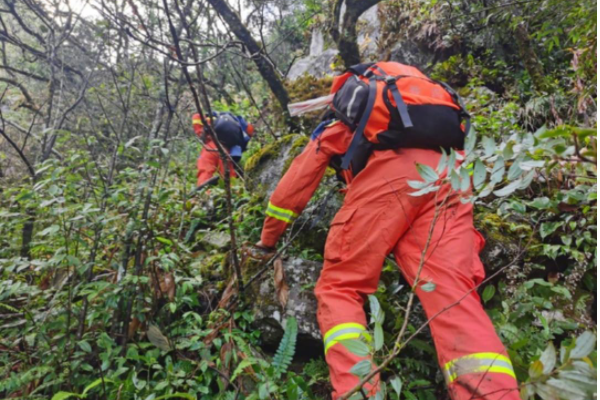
point(281, 213)
point(345, 331)
point(196, 121)
point(478, 363)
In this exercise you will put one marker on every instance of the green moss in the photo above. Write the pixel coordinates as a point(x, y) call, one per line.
point(213, 265)
point(272, 150)
point(308, 87)
point(297, 147)
point(266, 153)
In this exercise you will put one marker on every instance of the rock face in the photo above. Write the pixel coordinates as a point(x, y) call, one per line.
point(368, 27)
point(269, 315)
point(318, 60)
point(265, 168)
point(409, 53)
point(368, 30)
point(317, 65)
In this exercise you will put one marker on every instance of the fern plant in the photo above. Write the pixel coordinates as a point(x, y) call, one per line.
point(287, 348)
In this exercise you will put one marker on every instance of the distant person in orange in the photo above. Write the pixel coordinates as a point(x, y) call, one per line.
point(233, 133)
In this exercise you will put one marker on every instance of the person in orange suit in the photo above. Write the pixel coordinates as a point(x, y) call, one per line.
point(379, 217)
point(209, 160)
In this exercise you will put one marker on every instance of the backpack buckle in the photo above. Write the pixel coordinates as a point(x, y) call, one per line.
point(390, 80)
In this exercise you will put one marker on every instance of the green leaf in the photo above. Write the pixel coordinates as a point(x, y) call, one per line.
point(479, 174)
point(64, 395)
point(508, 189)
point(176, 395)
point(465, 180)
point(584, 345)
point(443, 164)
point(417, 184)
point(85, 346)
point(378, 337)
point(548, 359)
point(396, 383)
point(356, 347)
point(427, 173)
point(426, 190)
point(514, 171)
point(531, 164)
point(470, 141)
point(287, 347)
point(586, 382)
point(488, 293)
point(540, 203)
point(548, 228)
point(361, 368)
point(241, 367)
point(157, 338)
point(428, 287)
point(536, 369)
point(567, 389)
point(526, 180)
point(498, 170)
point(455, 180)
point(377, 314)
point(50, 230)
point(489, 146)
point(164, 240)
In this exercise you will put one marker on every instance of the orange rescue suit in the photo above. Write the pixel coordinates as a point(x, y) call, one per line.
point(379, 217)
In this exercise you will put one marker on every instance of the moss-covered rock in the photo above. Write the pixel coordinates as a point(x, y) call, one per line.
point(270, 315)
point(265, 168)
point(502, 239)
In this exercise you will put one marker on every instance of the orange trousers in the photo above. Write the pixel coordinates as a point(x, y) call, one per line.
point(380, 217)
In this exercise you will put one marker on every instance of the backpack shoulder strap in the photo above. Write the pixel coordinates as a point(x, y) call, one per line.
point(361, 125)
point(390, 82)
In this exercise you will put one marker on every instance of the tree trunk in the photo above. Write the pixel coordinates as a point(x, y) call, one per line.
point(343, 28)
point(530, 58)
point(265, 68)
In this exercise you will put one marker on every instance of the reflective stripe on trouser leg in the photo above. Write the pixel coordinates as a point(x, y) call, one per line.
point(345, 331)
point(478, 363)
point(281, 213)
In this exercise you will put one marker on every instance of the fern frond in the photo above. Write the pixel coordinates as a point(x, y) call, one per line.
point(287, 347)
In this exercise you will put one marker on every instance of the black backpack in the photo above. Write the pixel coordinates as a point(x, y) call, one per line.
point(228, 131)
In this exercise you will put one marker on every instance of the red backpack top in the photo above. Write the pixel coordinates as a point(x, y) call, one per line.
point(391, 105)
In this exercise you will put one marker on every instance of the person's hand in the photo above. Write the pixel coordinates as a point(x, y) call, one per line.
point(258, 251)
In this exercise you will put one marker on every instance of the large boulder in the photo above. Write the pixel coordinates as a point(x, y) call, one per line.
point(267, 165)
point(270, 315)
point(318, 65)
point(368, 29)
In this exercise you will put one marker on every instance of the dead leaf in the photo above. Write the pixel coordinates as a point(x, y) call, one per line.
point(281, 288)
point(230, 290)
point(553, 277)
point(565, 207)
point(167, 285)
point(157, 338)
point(226, 354)
point(133, 327)
point(211, 336)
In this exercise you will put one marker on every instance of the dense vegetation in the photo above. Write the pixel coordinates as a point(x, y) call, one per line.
point(118, 283)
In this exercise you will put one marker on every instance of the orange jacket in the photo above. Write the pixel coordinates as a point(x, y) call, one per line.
point(301, 180)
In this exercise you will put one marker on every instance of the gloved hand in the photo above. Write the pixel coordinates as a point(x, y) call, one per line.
point(258, 251)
